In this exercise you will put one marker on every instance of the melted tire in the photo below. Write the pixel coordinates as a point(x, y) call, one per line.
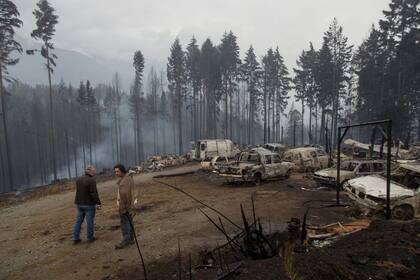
point(403, 212)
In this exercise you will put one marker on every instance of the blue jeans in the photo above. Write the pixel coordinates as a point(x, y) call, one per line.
point(126, 230)
point(83, 211)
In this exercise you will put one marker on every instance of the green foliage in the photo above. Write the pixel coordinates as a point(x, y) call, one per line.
point(138, 63)
point(289, 262)
point(304, 80)
point(177, 77)
point(193, 64)
point(9, 21)
point(387, 68)
point(46, 19)
point(176, 70)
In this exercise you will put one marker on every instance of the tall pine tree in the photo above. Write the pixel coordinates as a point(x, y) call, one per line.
point(9, 21)
point(46, 19)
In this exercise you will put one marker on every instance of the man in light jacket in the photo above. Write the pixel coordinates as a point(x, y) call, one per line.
point(125, 202)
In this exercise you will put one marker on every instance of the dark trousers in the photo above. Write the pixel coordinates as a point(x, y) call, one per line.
point(126, 230)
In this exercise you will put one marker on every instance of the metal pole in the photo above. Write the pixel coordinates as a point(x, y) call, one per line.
point(137, 244)
point(338, 167)
point(388, 171)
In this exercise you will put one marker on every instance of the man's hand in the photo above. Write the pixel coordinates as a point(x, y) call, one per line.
point(98, 207)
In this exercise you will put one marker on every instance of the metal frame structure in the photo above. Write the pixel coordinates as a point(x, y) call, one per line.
point(388, 137)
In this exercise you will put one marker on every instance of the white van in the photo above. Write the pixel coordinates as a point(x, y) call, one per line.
point(207, 149)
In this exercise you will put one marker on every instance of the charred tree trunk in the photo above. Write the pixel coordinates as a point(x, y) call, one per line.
point(2, 170)
point(89, 131)
point(303, 126)
point(135, 139)
point(230, 111)
point(273, 124)
point(52, 136)
point(180, 146)
point(112, 144)
point(5, 130)
point(75, 158)
point(322, 128)
point(316, 124)
point(265, 113)
point(226, 111)
point(67, 154)
point(310, 126)
point(269, 117)
point(84, 153)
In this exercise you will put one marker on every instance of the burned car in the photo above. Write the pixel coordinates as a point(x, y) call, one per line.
point(349, 170)
point(370, 191)
point(212, 164)
point(307, 159)
point(255, 165)
point(276, 148)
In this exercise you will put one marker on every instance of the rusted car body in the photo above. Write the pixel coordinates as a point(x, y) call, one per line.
point(349, 170)
point(370, 191)
point(212, 164)
point(209, 148)
point(255, 165)
point(396, 151)
point(275, 148)
point(307, 159)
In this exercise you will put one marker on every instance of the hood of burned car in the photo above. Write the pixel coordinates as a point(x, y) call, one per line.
point(375, 185)
point(332, 172)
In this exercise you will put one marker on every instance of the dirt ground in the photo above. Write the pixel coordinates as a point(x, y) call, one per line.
point(35, 236)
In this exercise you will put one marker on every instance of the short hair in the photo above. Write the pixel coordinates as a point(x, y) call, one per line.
point(121, 168)
point(89, 169)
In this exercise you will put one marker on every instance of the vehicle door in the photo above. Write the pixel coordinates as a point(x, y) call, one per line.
point(315, 161)
point(270, 167)
point(280, 169)
point(297, 159)
point(306, 160)
point(220, 160)
point(203, 148)
point(288, 157)
point(323, 158)
point(364, 169)
point(222, 149)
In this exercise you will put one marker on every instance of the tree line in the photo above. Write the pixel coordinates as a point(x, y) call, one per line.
point(206, 91)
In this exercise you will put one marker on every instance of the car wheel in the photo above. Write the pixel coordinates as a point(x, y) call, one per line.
point(403, 212)
point(345, 182)
point(257, 179)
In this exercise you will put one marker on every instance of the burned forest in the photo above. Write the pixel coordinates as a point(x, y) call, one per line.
point(236, 140)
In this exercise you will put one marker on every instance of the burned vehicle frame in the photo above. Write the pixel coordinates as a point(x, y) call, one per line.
point(255, 165)
point(349, 169)
point(370, 192)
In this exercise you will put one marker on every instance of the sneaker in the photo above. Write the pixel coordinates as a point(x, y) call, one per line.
point(121, 246)
point(77, 241)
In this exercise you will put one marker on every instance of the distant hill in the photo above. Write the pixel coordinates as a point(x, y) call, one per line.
point(72, 67)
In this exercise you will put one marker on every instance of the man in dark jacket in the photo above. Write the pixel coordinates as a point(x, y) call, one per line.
point(87, 199)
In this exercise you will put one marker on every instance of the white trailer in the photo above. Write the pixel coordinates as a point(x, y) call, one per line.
point(207, 149)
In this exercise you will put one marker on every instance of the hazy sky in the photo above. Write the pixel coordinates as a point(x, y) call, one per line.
point(115, 29)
